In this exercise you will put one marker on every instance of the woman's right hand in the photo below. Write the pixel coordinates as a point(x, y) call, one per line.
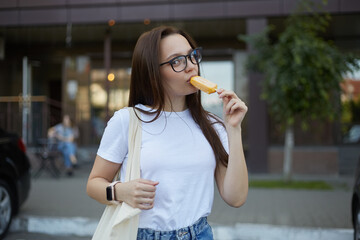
point(138, 193)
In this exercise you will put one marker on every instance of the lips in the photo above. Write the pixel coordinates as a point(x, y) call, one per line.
point(190, 78)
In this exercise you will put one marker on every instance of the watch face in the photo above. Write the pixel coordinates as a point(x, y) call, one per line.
point(109, 193)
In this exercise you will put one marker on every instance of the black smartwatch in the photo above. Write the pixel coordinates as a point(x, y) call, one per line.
point(110, 192)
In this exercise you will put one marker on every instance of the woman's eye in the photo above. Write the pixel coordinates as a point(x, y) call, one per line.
point(176, 62)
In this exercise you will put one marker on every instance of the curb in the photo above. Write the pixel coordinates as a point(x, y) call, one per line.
point(77, 226)
point(271, 232)
point(84, 227)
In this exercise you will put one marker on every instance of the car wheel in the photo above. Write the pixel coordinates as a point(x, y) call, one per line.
point(6, 208)
point(357, 223)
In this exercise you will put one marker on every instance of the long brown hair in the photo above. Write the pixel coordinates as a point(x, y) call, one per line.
point(146, 87)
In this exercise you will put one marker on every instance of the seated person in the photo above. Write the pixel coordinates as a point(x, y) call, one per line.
point(66, 134)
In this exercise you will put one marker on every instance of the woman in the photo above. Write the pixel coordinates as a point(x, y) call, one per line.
point(184, 148)
point(66, 134)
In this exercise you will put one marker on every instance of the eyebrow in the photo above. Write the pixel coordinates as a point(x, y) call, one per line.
point(178, 54)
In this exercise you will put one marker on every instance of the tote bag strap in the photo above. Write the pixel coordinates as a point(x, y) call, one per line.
point(134, 145)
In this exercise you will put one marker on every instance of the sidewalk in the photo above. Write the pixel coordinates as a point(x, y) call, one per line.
point(62, 207)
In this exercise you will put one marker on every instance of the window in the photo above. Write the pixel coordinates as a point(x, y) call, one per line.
point(221, 73)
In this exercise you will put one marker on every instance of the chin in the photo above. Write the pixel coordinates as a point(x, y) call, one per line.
point(193, 90)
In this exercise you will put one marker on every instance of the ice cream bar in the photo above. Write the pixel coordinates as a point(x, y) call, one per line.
point(203, 84)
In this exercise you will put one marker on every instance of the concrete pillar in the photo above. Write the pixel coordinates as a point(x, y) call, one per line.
point(257, 114)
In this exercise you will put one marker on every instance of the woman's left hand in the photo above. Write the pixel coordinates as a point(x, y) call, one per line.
point(234, 109)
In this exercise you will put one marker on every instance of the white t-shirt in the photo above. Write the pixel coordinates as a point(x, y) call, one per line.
point(175, 153)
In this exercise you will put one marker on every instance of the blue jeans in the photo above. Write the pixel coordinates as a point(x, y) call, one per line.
point(200, 230)
point(67, 149)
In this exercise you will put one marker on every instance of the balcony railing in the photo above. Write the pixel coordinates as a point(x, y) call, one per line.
point(43, 113)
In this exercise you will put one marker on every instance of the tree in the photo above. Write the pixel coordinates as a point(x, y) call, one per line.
point(302, 72)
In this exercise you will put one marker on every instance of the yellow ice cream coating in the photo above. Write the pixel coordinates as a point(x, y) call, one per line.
point(203, 84)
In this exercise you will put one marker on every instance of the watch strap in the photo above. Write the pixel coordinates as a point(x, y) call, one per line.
point(110, 192)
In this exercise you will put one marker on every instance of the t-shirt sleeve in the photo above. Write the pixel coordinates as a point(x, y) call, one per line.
point(114, 142)
point(59, 129)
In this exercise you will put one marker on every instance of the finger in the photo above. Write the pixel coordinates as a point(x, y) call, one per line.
point(145, 200)
point(150, 195)
point(227, 93)
point(143, 190)
point(145, 206)
point(227, 97)
point(230, 105)
point(145, 203)
point(147, 181)
point(239, 106)
point(220, 90)
point(143, 184)
point(243, 107)
point(147, 188)
point(235, 107)
point(150, 182)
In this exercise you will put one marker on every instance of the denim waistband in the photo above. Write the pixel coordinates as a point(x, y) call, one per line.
point(194, 229)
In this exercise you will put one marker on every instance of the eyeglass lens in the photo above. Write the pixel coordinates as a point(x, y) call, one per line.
point(180, 63)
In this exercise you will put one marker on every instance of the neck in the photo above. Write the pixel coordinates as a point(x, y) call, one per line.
point(175, 105)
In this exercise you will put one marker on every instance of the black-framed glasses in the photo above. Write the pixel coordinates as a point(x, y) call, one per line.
point(179, 63)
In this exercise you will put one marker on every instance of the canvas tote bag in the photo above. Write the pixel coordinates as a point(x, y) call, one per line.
point(121, 221)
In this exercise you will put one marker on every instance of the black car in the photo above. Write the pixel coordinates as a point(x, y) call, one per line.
point(14, 178)
point(355, 205)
